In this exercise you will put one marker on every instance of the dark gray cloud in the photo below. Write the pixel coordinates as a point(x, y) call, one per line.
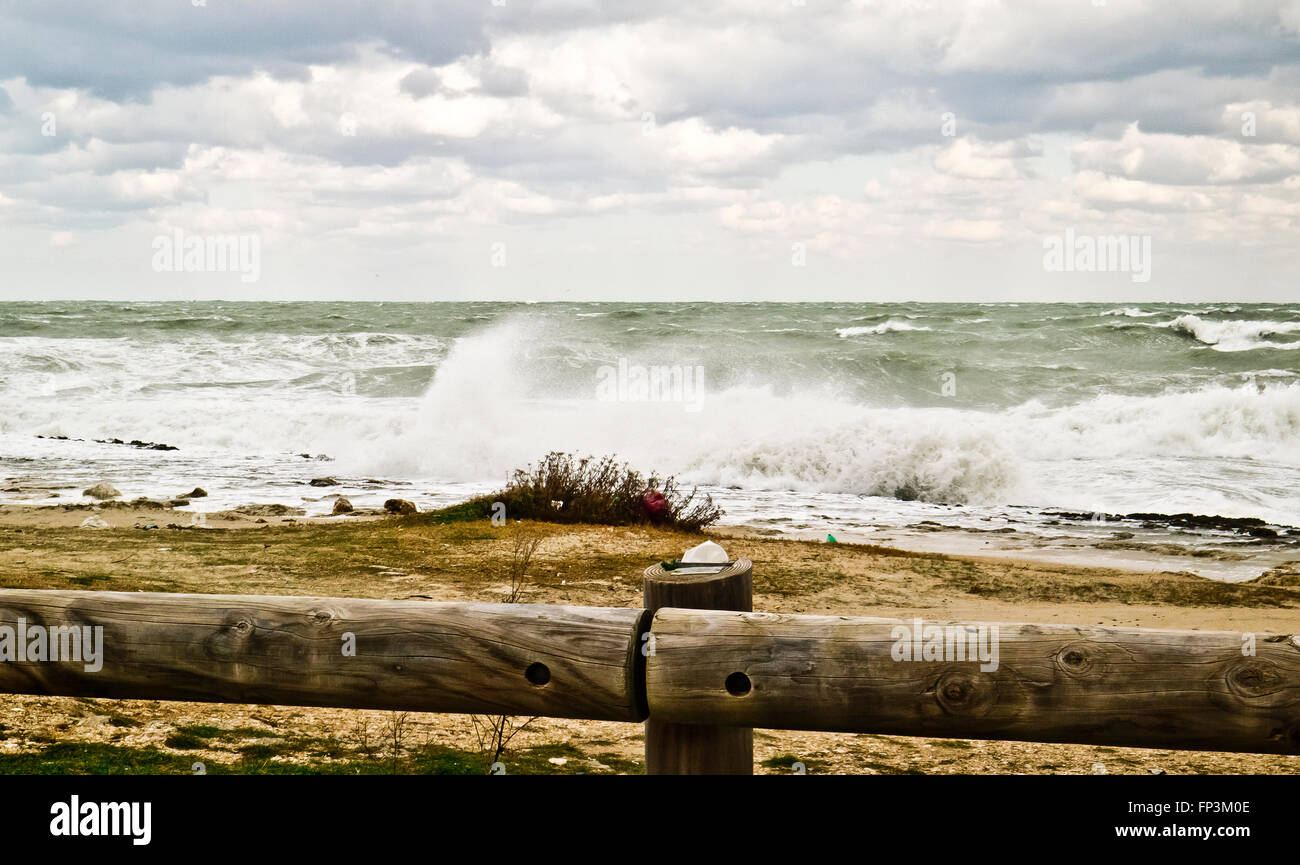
point(407, 122)
point(125, 50)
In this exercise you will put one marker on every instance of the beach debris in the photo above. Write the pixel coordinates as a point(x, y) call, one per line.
point(706, 553)
point(830, 539)
point(559, 761)
point(342, 506)
point(324, 482)
point(101, 491)
point(94, 521)
point(654, 502)
point(705, 558)
point(196, 493)
point(401, 507)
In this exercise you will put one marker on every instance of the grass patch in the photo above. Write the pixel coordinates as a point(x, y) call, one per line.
point(72, 758)
point(786, 762)
point(89, 579)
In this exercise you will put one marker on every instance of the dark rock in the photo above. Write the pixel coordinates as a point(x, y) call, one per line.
point(269, 511)
point(196, 493)
point(401, 507)
point(324, 482)
point(137, 443)
point(342, 506)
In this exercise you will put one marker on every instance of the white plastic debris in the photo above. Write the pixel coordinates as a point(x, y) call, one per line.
point(706, 552)
point(94, 521)
point(709, 556)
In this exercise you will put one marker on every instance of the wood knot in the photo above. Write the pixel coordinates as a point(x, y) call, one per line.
point(1079, 659)
point(321, 618)
point(1254, 677)
point(961, 693)
point(763, 617)
point(242, 627)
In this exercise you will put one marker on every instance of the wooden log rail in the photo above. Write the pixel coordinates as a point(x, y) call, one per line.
point(512, 659)
point(1052, 683)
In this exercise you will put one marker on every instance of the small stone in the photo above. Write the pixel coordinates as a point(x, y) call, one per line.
point(196, 493)
point(269, 511)
point(324, 482)
point(401, 507)
point(342, 506)
point(102, 491)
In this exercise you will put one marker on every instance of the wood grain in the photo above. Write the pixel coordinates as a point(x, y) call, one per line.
point(693, 748)
point(410, 655)
point(1105, 686)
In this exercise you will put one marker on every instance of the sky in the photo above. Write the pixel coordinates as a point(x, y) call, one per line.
point(728, 151)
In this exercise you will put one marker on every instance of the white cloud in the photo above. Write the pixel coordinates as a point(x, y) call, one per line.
point(772, 124)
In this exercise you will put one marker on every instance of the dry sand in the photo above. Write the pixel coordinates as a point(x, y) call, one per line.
point(403, 558)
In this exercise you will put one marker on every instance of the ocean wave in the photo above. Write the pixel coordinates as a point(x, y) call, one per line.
point(1235, 335)
point(893, 325)
point(477, 421)
point(1129, 312)
point(473, 408)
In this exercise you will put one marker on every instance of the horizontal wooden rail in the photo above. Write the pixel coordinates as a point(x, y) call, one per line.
point(1052, 683)
point(517, 659)
point(1049, 683)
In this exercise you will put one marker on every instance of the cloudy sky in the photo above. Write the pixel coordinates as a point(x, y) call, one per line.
point(559, 149)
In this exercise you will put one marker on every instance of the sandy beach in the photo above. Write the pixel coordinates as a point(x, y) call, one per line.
point(157, 549)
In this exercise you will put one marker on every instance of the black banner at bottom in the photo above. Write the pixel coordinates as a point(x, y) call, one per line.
point(140, 815)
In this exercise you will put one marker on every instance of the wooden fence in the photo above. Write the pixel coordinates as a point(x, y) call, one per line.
point(695, 665)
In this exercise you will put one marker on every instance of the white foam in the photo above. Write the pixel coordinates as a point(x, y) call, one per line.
point(893, 325)
point(1235, 335)
point(483, 417)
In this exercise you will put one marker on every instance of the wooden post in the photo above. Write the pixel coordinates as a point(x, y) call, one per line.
point(696, 749)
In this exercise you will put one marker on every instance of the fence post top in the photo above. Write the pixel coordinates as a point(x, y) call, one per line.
point(658, 574)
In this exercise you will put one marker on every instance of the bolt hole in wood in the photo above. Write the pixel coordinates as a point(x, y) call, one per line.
point(539, 674)
point(738, 684)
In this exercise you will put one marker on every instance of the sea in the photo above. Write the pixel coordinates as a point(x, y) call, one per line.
point(1073, 432)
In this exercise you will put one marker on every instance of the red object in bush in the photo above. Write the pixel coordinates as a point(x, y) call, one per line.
point(654, 502)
